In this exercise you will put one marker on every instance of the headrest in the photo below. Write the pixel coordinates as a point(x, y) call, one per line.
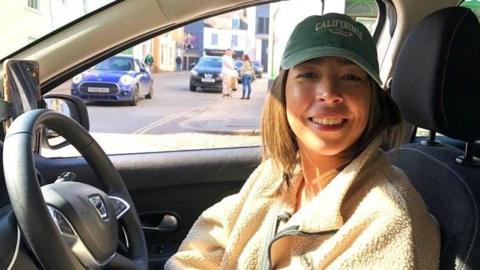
point(437, 77)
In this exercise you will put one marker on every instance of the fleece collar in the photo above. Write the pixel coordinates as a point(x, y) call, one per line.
point(324, 212)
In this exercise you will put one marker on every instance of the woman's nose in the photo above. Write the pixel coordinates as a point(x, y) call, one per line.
point(327, 91)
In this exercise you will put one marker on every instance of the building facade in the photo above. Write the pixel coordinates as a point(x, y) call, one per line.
point(224, 32)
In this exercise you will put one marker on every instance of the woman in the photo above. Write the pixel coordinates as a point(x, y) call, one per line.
point(247, 75)
point(325, 196)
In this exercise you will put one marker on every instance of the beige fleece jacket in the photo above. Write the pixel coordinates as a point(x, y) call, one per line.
point(368, 217)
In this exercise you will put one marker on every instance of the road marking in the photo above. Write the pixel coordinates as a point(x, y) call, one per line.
point(162, 121)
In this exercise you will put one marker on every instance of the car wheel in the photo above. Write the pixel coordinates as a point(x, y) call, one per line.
point(149, 95)
point(193, 88)
point(135, 98)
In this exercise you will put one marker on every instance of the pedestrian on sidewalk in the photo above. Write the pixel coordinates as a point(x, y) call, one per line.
point(228, 71)
point(178, 62)
point(149, 61)
point(247, 76)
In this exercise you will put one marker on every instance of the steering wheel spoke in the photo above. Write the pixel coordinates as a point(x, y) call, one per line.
point(124, 263)
point(120, 206)
point(71, 238)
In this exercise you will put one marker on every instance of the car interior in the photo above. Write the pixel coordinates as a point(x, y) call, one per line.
point(436, 94)
point(428, 53)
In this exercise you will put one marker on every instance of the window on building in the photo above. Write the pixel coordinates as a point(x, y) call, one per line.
point(33, 4)
point(235, 23)
point(262, 25)
point(234, 42)
point(214, 40)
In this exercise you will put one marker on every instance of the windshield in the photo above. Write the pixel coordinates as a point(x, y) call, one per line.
point(116, 64)
point(238, 64)
point(38, 18)
point(210, 62)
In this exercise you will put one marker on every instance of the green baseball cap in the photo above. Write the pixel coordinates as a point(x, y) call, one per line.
point(332, 34)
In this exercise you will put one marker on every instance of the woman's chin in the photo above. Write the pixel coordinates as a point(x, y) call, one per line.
point(325, 149)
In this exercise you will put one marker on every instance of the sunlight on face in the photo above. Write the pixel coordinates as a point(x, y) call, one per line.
point(328, 101)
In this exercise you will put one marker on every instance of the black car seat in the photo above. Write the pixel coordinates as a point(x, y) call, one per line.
point(436, 85)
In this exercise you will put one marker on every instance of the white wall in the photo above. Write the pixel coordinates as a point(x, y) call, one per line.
point(251, 49)
point(167, 53)
point(224, 39)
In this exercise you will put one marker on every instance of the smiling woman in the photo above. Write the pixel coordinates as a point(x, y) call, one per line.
point(325, 195)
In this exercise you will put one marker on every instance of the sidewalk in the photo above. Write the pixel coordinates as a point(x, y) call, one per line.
point(233, 115)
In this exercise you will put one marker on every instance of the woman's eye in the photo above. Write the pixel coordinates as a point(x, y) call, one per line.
point(352, 77)
point(306, 75)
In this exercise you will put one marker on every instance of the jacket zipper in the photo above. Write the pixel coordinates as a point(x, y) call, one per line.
point(290, 231)
point(273, 230)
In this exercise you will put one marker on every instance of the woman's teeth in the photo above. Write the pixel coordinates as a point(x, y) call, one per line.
point(327, 121)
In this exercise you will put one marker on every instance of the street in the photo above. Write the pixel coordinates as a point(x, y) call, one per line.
point(172, 104)
point(176, 118)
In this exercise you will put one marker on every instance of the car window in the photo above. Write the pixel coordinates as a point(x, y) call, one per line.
point(209, 62)
point(116, 64)
point(180, 106)
point(474, 5)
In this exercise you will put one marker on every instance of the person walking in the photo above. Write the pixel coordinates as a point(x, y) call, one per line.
point(227, 73)
point(178, 62)
point(247, 76)
point(149, 61)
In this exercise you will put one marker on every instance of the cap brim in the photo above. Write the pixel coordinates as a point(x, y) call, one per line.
point(308, 54)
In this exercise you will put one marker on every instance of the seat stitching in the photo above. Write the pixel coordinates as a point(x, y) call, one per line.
point(469, 192)
point(442, 107)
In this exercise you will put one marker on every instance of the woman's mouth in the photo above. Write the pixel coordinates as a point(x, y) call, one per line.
point(328, 124)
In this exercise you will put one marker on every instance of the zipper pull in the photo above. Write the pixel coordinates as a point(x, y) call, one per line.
point(281, 218)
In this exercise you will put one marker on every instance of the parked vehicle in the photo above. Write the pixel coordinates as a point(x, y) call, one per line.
point(121, 78)
point(258, 68)
point(207, 74)
point(238, 66)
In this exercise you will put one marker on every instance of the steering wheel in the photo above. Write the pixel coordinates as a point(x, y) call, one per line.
point(70, 225)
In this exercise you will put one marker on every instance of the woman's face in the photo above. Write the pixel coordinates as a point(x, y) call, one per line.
point(328, 103)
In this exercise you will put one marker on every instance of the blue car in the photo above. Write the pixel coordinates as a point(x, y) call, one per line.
point(121, 78)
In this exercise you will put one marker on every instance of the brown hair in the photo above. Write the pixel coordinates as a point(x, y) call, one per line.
point(280, 143)
point(246, 57)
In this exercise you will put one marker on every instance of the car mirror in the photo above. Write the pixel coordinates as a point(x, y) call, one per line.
point(70, 106)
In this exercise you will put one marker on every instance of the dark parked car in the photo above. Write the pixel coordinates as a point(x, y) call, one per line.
point(207, 73)
point(121, 78)
point(258, 68)
point(238, 66)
